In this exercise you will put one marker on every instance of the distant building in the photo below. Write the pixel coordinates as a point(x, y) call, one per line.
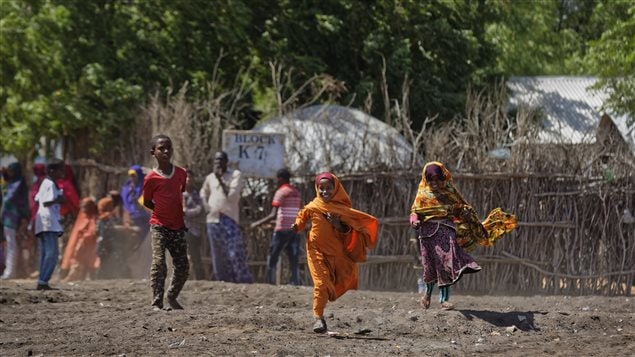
point(572, 111)
point(339, 139)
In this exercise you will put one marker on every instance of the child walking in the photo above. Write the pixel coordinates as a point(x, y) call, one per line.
point(162, 193)
point(48, 226)
point(337, 241)
point(448, 226)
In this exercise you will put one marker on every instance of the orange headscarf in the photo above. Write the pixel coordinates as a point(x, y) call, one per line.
point(109, 206)
point(363, 226)
point(447, 202)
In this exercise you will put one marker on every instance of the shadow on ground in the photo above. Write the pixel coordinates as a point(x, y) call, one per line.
point(523, 320)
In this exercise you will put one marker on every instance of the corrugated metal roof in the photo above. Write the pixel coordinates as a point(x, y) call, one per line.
point(571, 107)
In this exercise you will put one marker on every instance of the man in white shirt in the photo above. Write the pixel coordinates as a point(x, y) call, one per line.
point(221, 197)
point(48, 227)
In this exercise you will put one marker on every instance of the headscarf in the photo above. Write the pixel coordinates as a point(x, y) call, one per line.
point(107, 206)
point(447, 202)
point(130, 196)
point(363, 226)
point(436, 204)
point(71, 193)
point(339, 193)
point(16, 199)
point(433, 170)
point(17, 172)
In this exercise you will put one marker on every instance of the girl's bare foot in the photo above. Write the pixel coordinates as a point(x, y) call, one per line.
point(446, 305)
point(425, 301)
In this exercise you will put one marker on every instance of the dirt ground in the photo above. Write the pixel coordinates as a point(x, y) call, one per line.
point(112, 317)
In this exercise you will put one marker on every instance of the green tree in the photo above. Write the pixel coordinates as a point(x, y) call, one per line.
point(81, 69)
point(612, 56)
point(440, 45)
point(541, 37)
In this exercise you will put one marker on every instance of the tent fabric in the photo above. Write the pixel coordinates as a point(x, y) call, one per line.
point(338, 139)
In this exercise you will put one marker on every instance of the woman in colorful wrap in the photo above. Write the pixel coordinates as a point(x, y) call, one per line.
point(448, 227)
point(15, 212)
point(80, 255)
point(337, 241)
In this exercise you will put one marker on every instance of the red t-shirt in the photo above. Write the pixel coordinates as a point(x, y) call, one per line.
point(167, 194)
point(287, 199)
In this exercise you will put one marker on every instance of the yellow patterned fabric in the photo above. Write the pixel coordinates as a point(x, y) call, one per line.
point(447, 203)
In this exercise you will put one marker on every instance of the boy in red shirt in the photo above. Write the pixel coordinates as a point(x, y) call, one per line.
point(162, 191)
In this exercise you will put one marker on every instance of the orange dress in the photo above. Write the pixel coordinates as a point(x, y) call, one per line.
point(80, 254)
point(332, 256)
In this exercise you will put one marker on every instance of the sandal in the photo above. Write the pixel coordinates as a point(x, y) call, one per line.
point(320, 325)
point(425, 301)
point(446, 305)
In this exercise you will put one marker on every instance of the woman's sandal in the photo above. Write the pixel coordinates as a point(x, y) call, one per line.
point(446, 305)
point(425, 302)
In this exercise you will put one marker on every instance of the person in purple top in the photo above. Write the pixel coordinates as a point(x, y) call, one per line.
point(134, 214)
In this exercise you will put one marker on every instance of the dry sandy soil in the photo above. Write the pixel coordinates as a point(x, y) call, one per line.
point(112, 317)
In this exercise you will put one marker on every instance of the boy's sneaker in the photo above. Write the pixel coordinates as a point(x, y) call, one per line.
point(157, 303)
point(44, 287)
point(320, 325)
point(174, 304)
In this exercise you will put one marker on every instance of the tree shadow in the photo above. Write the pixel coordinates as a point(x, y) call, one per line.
point(522, 320)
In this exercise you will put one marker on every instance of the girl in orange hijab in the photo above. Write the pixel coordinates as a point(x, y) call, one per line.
point(80, 254)
point(448, 227)
point(337, 241)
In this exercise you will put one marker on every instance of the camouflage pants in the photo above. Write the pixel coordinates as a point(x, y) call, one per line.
point(174, 241)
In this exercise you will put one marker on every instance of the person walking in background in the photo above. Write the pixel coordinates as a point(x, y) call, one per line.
point(194, 221)
point(80, 255)
point(112, 239)
point(337, 241)
point(163, 191)
point(70, 209)
point(447, 226)
point(134, 214)
point(221, 197)
point(48, 227)
point(15, 210)
point(286, 204)
point(30, 244)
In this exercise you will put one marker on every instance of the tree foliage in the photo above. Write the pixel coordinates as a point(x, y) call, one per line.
point(570, 37)
point(84, 68)
point(612, 57)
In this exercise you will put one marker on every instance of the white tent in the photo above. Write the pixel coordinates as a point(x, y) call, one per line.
point(339, 139)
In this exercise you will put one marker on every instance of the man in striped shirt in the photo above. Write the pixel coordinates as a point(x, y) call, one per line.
point(285, 206)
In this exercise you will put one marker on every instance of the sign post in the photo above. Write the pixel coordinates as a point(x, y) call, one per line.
point(255, 154)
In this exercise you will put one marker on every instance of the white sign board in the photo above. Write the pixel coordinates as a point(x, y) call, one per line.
point(255, 154)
